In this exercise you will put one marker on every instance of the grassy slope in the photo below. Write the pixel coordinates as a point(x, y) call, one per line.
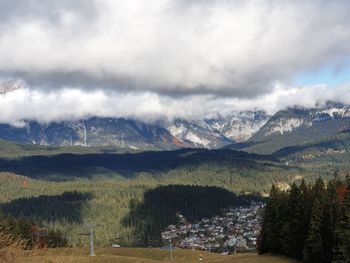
point(135, 255)
point(14, 150)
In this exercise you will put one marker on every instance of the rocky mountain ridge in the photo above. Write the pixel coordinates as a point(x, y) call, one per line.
point(134, 134)
point(256, 129)
point(296, 126)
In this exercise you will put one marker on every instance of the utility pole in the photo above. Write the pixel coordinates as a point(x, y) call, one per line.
point(91, 237)
point(170, 238)
point(171, 249)
point(92, 252)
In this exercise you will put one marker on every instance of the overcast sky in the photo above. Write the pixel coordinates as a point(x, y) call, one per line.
point(170, 58)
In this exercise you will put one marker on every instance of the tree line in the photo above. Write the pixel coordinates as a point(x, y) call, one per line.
point(49, 208)
point(30, 234)
point(309, 222)
point(161, 206)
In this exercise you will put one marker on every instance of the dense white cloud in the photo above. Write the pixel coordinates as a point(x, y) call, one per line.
point(166, 58)
point(237, 48)
point(70, 104)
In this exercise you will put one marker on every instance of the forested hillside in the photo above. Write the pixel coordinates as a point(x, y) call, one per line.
point(309, 222)
point(63, 189)
point(28, 234)
point(160, 207)
point(14, 150)
point(120, 205)
point(130, 165)
point(299, 126)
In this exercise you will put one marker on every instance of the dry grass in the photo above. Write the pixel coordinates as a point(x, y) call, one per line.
point(13, 250)
point(10, 248)
point(140, 255)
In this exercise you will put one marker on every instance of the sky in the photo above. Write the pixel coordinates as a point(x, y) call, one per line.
point(170, 58)
point(332, 77)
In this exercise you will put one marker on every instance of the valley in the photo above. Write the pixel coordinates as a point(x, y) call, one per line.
point(126, 189)
point(174, 131)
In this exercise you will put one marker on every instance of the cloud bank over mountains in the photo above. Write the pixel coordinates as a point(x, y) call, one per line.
point(73, 104)
point(166, 58)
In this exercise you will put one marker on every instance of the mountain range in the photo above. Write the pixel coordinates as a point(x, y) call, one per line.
point(135, 134)
point(252, 131)
point(299, 126)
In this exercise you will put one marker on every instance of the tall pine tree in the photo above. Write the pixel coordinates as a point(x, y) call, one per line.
point(269, 236)
point(335, 190)
point(343, 230)
point(293, 237)
point(313, 250)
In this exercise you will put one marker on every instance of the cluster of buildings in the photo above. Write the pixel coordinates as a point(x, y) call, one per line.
point(235, 230)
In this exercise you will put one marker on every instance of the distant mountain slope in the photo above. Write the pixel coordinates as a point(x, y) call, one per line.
point(10, 149)
point(218, 132)
point(197, 134)
point(135, 134)
point(298, 126)
point(156, 163)
point(252, 131)
point(119, 132)
point(239, 126)
point(335, 150)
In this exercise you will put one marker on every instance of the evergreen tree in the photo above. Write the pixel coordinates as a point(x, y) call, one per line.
point(272, 234)
point(293, 236)
point(313, 250)
point(335, 191)
point(319, 189)
point(316, 216)
point(269, 218)
point(307, 206)
point(343, 229)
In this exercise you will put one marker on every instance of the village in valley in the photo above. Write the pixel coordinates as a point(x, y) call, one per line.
point(234, 230)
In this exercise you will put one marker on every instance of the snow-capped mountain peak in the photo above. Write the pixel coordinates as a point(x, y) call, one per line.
point(197, 134)
point(240, 126)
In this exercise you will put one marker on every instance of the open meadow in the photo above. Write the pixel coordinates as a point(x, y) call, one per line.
point(142, 255)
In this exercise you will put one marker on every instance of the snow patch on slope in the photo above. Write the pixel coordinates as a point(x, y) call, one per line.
point(196, 140)
point(177, 131)
point(285, 125)
point(197, 134)
point(335, 112)
point(240, 126)
point(183, 134)
point(242, 131)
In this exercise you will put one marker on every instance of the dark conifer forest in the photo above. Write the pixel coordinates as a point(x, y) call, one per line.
point(161, 206)
point(29, 233)
point(309, 222)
